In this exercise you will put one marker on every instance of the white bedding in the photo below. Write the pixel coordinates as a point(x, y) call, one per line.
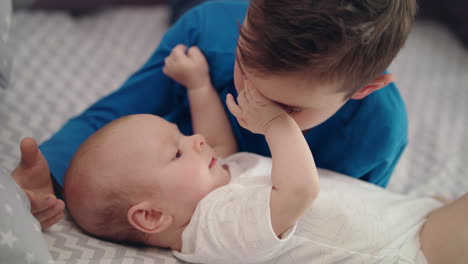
point(63, 64)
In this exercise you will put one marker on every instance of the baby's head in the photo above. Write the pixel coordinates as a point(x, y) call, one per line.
point(311, 56)
point(138, 179)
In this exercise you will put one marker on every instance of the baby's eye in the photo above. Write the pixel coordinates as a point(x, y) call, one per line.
point(178, 154)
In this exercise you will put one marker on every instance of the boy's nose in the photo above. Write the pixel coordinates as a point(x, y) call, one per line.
point(198, 142)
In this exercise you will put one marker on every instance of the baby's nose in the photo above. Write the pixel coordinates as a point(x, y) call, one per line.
point(198, 142)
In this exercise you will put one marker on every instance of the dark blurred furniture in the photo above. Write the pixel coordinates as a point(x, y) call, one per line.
point(453, 13)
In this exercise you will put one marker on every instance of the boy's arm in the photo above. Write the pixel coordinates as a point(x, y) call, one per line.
point(190, 68)
point(294, 175)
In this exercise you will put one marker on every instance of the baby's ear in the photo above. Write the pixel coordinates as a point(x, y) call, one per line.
point(148, 219)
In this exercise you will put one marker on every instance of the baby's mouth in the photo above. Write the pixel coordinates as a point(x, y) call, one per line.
point(213, 162)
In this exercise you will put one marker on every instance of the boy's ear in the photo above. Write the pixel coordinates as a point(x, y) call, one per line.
point(148, 219)
point(381, 81)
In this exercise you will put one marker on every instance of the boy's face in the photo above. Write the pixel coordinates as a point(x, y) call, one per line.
point(309, 103)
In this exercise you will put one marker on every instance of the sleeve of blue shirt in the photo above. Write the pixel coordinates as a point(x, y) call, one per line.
point(146, 91)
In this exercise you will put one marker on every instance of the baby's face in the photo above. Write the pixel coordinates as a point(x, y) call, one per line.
point(141, 158)
point(182, 169)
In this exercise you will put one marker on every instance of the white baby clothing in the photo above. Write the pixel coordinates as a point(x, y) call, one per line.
point(351, 221)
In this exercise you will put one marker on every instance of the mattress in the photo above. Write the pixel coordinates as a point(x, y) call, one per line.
point(63, 64)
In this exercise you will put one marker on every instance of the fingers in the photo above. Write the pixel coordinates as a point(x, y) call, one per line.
point(194, 52)
point(50, 212)
point(168, 62)
point(51, 221)
point(235, 109)
point(29, 152)
point(242, 99)
point(252, 94)
point(232, 106)
point(47, 209)
point(177, 55)
point(179, 51)
point(39, 202)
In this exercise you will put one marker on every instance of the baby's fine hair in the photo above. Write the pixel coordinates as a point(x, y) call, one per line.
point(348, 41)
point(112, 222)
point(110, 216)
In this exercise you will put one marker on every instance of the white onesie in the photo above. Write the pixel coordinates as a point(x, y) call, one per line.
point(351, 221)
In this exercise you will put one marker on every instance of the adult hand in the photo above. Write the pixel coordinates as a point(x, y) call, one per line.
point(188, 67)
point(254, 111)
point(33, 175)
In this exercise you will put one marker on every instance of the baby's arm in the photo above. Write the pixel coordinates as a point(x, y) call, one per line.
point(444, 236)
point(294, 175)
point(190, 69)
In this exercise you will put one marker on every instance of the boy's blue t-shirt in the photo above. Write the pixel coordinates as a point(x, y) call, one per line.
point(364, 139)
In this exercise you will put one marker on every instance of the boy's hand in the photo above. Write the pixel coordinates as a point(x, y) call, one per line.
point(188, 67)
point(254, 111)
point(33, 176)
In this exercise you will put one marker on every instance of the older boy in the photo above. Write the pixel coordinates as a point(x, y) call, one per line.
point(322, 60)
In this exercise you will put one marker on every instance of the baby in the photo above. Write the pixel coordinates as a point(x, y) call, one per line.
point(138, 179)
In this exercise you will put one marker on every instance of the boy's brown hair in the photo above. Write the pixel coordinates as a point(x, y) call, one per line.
point(346, 41)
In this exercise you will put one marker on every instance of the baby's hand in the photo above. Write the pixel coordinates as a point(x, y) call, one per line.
point(254, 111)
point(187, 67)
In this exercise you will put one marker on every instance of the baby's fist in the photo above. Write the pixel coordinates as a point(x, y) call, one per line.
point(187, 67)
point(254, 111)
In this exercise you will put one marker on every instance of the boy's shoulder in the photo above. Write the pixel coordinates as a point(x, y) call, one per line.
point(217, 22)
point(376, 124)
point(380, 118)
point(388, 106)
point(365, 138)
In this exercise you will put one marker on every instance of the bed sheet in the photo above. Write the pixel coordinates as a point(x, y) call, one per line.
point(63, 64)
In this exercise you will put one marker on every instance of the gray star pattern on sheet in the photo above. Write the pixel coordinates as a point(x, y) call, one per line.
point(21, 239)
